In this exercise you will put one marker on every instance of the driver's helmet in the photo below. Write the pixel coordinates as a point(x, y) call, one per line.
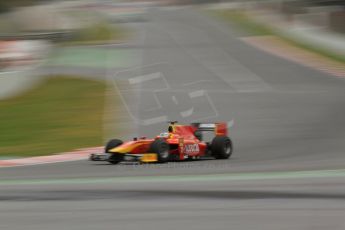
point(164, 135)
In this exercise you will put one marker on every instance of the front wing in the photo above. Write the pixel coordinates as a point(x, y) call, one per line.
point(144, 158)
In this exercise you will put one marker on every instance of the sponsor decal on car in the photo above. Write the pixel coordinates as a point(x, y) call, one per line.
point(192, 148)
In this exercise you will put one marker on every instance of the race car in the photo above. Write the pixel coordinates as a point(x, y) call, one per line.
point(180, 142)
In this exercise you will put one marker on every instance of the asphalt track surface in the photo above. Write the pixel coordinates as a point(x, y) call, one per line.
point(287, 123)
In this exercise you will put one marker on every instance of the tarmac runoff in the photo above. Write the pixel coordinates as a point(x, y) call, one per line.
point(186, 178)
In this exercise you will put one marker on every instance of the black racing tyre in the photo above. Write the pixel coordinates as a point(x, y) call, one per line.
point(221, 147)
point(114, 158)
point(161, 147)
point(112, 144)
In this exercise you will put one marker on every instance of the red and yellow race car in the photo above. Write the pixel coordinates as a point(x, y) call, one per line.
point(180, 142)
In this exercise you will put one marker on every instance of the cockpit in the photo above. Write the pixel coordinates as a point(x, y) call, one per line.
point(164, 135)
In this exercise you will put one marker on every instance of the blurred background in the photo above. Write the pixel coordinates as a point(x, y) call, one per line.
point(54, 40)
point(74, 74)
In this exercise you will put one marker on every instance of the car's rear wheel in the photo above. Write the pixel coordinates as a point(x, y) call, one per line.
point(115, 158)
point(161, 148)
point(221, 147)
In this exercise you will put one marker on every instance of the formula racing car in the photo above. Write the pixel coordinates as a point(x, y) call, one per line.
point(180, 142)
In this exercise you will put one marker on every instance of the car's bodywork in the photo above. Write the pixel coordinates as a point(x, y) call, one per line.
point(180, 142)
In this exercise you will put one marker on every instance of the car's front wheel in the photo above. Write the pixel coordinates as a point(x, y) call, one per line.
point(161, 148)
point(115, 158)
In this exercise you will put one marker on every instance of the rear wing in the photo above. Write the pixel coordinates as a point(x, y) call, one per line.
point(219, 129)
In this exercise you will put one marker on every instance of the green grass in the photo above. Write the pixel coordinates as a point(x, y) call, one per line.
point(7, 26)
point(243, 22)
point(98, 33)
point(6, 6)
point(60, 115)
point(315, 49)
point(95, 28)
point(83, 56)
